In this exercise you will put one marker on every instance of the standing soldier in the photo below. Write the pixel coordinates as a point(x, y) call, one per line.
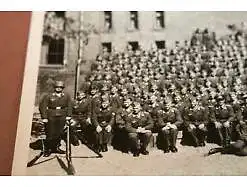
point(222, 119)
point(55, 109)
point(103, 121)
point(169, 121)
point(139, 125)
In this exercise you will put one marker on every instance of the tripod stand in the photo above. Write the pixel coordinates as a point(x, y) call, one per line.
point(69, 168)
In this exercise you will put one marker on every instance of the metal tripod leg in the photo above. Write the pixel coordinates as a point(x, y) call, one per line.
point(71, 169)
point(32, 162)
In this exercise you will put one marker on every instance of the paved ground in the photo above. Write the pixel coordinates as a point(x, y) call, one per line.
point(188, 161)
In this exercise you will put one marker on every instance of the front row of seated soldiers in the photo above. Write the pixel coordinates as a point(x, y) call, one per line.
point(197, 120)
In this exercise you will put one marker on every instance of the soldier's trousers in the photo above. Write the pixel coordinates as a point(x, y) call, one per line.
point(54, 131)
point(170, 137)
point(102, 137)
point(197, 135)
point(224, 134)
point(139, 140)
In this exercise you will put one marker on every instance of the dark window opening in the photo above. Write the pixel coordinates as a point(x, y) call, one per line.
point(60, 14)
point(134, 20)
point(108, 20)
point(161, 44)
point(56, 52)
point(160, 22)
point(134, 45)
point(107, 47)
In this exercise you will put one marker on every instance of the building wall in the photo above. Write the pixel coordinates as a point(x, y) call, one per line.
point(178, 26)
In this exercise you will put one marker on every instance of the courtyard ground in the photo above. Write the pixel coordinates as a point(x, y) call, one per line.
point(187, 161)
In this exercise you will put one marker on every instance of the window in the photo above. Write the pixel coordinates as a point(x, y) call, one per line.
point(134, 45)
point(60, 14)
point(108, 20)
point(161, 44)
point(160, 22)
point(107, 47)
point(56, 52)
point(134, 20)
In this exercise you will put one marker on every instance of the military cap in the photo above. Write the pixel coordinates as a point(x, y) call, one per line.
point(59, 84)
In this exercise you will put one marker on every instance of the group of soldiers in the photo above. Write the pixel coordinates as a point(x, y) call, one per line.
point(197, 88)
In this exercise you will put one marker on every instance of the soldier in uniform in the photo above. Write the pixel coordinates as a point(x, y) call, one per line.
point(139, 125)
point(55, 108)
point(119, 129)
point(240, 146)
point(169, 121)
point(195, 123)
point(82, 113)
point(222, 119)
point(103, 121)
point(94, 97)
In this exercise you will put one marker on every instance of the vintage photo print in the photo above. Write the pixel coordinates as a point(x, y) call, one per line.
point(140, 93)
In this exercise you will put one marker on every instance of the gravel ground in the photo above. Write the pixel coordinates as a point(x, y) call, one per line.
point(188, 161)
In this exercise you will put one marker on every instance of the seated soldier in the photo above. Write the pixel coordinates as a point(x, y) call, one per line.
point(222, 118)
point(119, 129)
point(169, 120)
point(195, 124)
point(82, 114)
point(139, 125)
point(103, 119)
point(240, 146)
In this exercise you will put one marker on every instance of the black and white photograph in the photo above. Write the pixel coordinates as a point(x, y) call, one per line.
point(140, 93)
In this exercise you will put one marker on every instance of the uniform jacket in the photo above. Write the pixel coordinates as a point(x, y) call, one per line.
point(196, 116)
point(143, 119)
point(173, 116)
point(103, 117)
point(82, 109)
point(223, 113)
point(52, 106)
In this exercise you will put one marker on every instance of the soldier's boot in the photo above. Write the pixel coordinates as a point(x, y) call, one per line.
point(227, 138)
point(134, 143)
point(55, 146)
point(202, 138)
point(166, 134)
point(47, 149)
point(145, 139)
point(136, 152)
point(194, 138)
point(104, 147)
point(215, 150)
point(220, 135)
point(174, 134)
point(74, 140)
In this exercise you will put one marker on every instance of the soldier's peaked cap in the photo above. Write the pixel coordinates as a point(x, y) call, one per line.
point(59, 84)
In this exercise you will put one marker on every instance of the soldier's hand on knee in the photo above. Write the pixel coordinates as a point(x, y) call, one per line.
point(227, 124)
point(108, 128)
point(98, 129)
point(201, 126)
point(217, 125)
point(45, 120)
point(165, 128)
point(192, 126)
